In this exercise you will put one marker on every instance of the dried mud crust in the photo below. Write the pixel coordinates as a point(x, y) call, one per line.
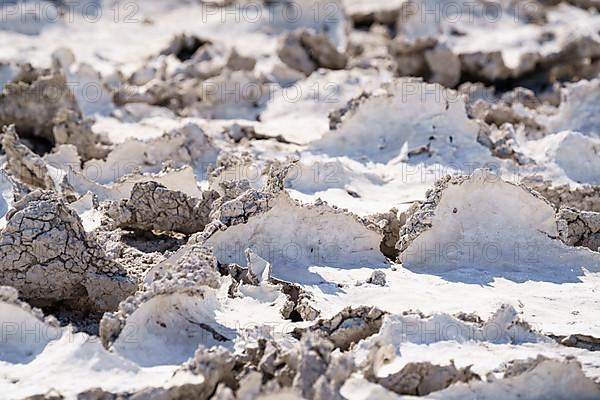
point(322, 359)
point(152, 206)
point(153, 255)
point(46, 254)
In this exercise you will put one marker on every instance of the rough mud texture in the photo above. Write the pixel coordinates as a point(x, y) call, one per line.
point(586, 198)
point(579, 228)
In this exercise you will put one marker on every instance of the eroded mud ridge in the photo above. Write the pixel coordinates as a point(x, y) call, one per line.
point(294, 199)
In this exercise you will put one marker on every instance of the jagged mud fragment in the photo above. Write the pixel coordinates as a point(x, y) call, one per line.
point(349, 326)
point(152, 206)
point(587, 342)
point(44, 109)
point(32, 104)
point(390, 222)
point(47, 255)
point(31, 169)
point(176, 308)
point(579, 228)
point(365, 13)
point(446, 220)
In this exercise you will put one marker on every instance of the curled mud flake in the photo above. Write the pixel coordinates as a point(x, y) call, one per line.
point(396, 122)
point(428, 224)
point(49, 257)
point(152, 206)
point(245, 221)
point(579, 228)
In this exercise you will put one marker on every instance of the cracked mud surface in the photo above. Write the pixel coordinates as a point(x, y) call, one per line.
point(346, 200)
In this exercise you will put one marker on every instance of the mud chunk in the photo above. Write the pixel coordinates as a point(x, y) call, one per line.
point(422, 378)
point(377, 278)
point(349, 326)
point(152, 206)
point(176, 288)
point(237, 62)
point(390, 223)
point(46, 254)
point(579, 228)
point(306, 51)
point(24, 164)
